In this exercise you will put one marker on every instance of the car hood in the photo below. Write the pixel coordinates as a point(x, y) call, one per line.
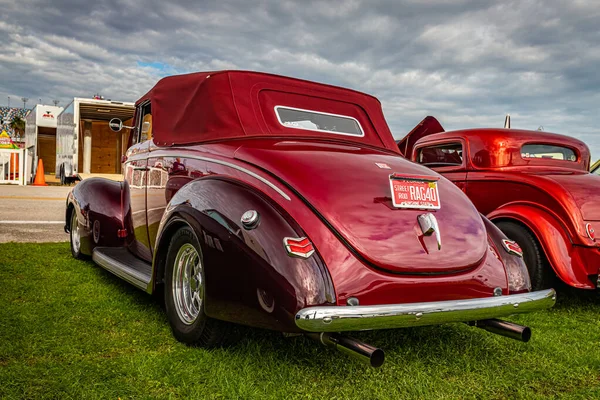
point(584, 188)
point(351, 193)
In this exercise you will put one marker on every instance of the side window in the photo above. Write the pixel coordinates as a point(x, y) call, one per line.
point(145, 122)
point(133, 134)
point(444, 155)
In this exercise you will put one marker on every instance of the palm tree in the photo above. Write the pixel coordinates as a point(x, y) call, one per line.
point(18, 125)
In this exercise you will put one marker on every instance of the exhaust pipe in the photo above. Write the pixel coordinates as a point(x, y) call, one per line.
point(355, 348)
point(505, 328)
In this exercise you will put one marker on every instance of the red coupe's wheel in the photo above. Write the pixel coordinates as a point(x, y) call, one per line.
point(185, 288)
point(540, 272)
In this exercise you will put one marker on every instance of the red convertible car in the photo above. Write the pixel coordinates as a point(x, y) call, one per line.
point(535, 186)
point(285, 204)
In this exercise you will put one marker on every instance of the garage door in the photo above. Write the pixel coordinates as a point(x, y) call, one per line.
point(47, 152)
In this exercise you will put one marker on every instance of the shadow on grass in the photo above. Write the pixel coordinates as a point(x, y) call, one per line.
point(303, 351)
point(570, 297)
point(429, 345)
point(137, 296)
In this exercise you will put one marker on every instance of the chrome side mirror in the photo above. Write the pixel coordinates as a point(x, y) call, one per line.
point(116, 125)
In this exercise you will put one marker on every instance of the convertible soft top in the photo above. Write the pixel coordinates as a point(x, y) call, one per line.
point(212, 106)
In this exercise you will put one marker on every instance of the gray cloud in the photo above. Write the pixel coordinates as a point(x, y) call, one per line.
point(465, 62)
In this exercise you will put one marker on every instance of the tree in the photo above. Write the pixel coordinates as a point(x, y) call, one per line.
point(18, 125)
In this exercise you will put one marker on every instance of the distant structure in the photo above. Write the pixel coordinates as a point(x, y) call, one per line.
point(24, 100)
point(7, 114)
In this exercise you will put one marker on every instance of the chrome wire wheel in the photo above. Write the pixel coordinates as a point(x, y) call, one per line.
point(187, 284)
point(75, 233)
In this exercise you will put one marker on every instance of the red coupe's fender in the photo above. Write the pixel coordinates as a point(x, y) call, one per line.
point(250, 277)
point(554, 239)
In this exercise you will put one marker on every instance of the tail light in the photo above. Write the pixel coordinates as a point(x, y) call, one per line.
point(512, 247)
point(298, 247)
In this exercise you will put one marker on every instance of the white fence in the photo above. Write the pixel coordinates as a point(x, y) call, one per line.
point(12, 166)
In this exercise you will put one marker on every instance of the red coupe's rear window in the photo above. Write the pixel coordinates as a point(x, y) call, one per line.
point(449, 154)
point(548, 151)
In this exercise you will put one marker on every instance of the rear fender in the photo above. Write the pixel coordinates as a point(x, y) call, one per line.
point(101, 205)
point(514, 266)
point(250, 278)
point(554, 239)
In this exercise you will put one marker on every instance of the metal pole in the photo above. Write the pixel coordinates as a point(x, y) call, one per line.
point(87, 147)
point(22, 155)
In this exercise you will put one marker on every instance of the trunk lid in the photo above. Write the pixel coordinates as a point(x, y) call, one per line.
point(352, 193)
point(428, 126)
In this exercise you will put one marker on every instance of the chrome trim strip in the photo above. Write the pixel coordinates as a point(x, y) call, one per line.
point(159, 153)
point(130, 275)
point(357, 318)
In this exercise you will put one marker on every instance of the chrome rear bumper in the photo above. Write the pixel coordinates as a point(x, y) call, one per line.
point(358, 318)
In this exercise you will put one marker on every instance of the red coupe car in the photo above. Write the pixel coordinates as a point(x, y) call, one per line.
point(285, 204)
point(535, 186)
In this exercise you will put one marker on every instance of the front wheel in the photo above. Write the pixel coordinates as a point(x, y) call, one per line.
point(540, 272)
point(75, 236)
point(185, 288)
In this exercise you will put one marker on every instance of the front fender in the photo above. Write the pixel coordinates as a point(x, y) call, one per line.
point(554, 239)
point(102, 203)
point(250, 278)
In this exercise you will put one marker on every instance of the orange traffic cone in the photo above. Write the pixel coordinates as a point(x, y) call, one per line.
point(40, 179)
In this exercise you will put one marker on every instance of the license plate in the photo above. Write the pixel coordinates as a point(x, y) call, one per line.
point(415, 192)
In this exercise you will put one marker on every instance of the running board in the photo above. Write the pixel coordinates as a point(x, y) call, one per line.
point(122, 263)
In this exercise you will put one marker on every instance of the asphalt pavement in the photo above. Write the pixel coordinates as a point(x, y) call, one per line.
point(33, 213)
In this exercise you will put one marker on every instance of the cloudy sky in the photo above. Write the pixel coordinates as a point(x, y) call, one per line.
point(467, 62)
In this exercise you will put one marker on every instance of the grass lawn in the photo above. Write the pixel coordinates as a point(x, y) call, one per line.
point(70, 330)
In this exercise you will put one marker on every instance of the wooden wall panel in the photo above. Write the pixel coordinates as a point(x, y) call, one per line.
point(107, 147)
point(47, 152)
point(106, 156)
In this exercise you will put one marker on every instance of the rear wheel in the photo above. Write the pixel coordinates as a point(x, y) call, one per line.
point(540, 272)
point(184, 293)
point(75, 236)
